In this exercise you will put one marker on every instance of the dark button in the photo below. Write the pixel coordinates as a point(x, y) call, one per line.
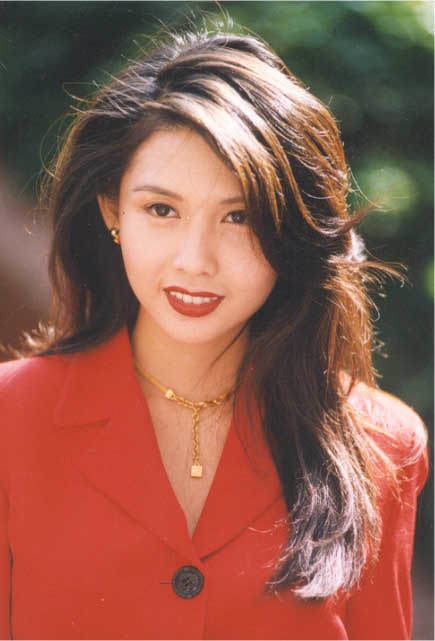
point(187, 582)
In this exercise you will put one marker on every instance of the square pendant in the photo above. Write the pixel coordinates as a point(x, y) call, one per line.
point(196, 471)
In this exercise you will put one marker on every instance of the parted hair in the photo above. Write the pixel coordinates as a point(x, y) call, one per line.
point(312, 340)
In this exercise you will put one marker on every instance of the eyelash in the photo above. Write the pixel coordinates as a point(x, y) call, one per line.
point(150, 207)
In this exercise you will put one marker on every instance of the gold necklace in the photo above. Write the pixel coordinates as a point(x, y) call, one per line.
point(196, 406)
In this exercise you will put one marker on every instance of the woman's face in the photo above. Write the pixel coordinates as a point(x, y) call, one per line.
point(182, 223)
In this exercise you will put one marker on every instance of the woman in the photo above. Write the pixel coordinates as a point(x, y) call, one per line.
point(196, 447)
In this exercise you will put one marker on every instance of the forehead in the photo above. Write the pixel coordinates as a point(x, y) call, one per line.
point(181, 160)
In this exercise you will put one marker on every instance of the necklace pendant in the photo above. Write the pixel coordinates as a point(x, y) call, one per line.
point(196, 471)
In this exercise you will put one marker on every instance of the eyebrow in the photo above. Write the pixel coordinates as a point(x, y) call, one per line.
point(172, 194)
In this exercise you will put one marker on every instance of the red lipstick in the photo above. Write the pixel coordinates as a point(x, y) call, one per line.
point(192, 309)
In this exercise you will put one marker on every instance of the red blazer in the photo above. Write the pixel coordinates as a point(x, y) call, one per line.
point(94, 544)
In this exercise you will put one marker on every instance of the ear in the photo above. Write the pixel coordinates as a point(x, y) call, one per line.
point(109, 210)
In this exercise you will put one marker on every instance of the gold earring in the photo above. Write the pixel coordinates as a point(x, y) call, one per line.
point(115, 235)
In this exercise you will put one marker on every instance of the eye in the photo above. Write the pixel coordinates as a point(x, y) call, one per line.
point(240, 217)
point(160, 209)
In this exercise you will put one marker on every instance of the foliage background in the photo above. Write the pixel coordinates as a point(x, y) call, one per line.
point(371, 62)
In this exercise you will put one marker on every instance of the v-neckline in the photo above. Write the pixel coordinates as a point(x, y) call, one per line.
point(118, 453)
point(228, 443)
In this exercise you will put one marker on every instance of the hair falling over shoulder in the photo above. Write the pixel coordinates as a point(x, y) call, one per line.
point(312, 340)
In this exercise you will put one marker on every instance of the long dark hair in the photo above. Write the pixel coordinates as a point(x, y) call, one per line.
point(312, 340)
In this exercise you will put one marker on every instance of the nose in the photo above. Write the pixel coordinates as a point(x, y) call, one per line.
point(196, 248)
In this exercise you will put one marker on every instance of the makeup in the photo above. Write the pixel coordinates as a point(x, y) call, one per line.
point(192, 309)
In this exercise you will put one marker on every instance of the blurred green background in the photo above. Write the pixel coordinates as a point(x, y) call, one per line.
point(371, 62)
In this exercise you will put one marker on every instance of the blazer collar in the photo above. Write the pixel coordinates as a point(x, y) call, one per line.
point(114, 445)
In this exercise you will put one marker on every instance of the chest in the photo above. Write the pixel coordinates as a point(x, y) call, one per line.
point(173, 428)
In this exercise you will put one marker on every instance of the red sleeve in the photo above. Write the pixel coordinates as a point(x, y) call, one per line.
point(5, 567)
point(6, 373)
point(381, 607)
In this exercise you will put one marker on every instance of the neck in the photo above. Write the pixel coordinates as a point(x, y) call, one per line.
point(185, 368)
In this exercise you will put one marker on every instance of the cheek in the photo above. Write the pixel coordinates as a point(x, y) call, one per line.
point(142, 259)
point(264, 279)
point(257, 269)
point(254, 277)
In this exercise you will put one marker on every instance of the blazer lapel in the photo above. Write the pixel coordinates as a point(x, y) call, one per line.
point(245, 485)
point(109, 435)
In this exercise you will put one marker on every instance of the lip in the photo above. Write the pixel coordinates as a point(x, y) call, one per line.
point(186, 291)
point(191, 309)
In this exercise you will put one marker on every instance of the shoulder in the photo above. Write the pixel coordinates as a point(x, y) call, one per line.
point(28, 372)
point(28, 381)
point(399, 420)
point(29, 390)
point(395, 427)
